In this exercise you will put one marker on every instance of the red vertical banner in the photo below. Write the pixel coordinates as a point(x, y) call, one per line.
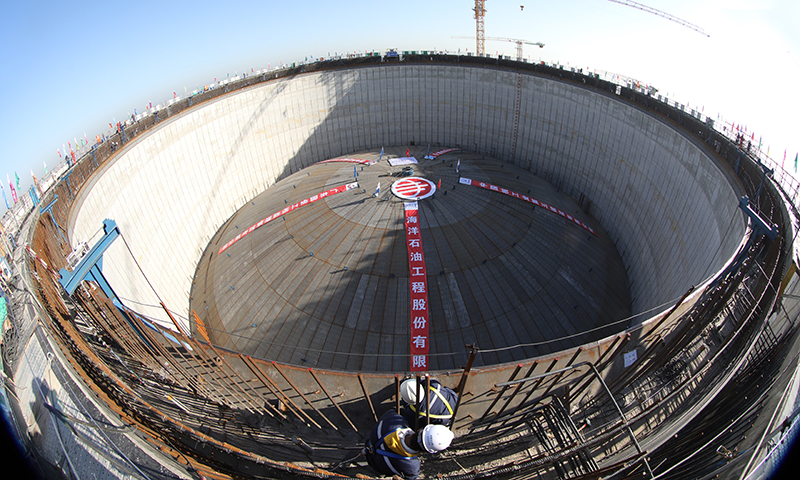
point(418, 289)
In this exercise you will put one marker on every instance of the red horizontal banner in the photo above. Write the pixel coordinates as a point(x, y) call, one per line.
point(442, 152)
point(418, 289)
point(302, 203)
point(348, 160)
point(495, 188)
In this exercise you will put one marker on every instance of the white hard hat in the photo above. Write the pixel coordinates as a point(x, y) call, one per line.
point(408, 391)
point(435, 438)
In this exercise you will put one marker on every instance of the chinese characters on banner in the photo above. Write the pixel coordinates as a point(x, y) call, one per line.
point(418, 289)
point(301, 203)
point(495, 188)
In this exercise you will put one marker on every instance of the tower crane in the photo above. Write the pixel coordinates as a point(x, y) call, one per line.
point(661, 14)
point(480, 12)
point(518, 41)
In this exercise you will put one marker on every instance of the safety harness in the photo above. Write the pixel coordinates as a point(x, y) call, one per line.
point(369, 449)
point(387, 454)
point(444, 401)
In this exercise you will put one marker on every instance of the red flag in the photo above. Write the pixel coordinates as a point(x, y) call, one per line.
point(407, 153)
point(13, 191)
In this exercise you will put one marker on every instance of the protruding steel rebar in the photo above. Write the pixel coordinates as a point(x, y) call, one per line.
point(325, 390)
point(308, 402)
point(462, 384)
point(366, 395)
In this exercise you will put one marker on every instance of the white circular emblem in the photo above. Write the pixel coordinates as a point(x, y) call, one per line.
point(413, 188)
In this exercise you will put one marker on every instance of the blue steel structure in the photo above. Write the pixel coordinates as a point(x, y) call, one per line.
point(759, 224)
point(91, 265)
point(49, 209)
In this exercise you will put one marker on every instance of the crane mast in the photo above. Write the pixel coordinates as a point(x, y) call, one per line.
point(480, 12)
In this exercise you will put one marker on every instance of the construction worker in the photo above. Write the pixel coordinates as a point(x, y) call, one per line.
point(442, 402)
point(393, 448)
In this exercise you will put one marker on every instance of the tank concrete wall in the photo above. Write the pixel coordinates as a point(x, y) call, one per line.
point(669, 208)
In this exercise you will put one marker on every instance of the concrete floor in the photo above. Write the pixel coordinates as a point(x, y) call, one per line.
point(327, 285)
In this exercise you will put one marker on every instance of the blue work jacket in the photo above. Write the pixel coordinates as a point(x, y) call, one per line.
point(381, 458)
point(443, 403)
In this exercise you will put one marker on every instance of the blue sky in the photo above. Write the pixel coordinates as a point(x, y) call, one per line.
point(68, 69)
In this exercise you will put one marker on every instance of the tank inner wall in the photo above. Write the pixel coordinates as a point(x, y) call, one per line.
point(671, 211)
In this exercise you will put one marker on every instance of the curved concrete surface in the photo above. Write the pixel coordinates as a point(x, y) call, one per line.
point(669, 208)
point(327, 285)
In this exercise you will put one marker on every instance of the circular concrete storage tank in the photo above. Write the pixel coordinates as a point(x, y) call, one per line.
point(659, 194)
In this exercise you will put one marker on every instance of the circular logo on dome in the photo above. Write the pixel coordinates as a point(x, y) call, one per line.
point(413, 188)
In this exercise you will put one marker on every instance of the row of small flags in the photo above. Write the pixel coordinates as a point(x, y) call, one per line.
point(14, 190)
